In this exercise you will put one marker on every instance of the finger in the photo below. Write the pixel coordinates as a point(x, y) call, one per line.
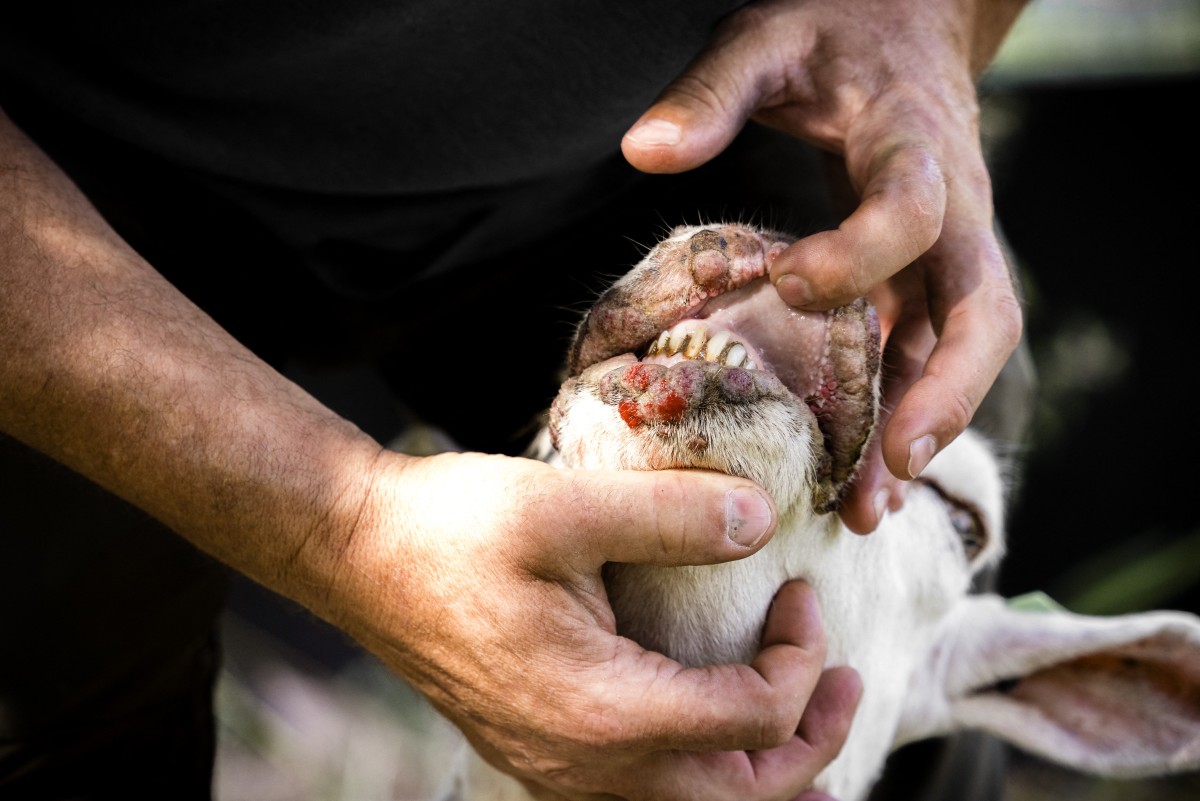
point(733, 707)
point(874, 491)
point(665, 517)
point(820, 737)
point(898, 218)
point(778, 772)
point(830, 712)
point(975, 300)
point(910, 340)
point(700, 112)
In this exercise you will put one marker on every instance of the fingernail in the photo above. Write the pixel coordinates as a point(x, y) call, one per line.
point(920, 451)
point(747, 516)
point(880, 502)
point(655, 132)
point(794, 290)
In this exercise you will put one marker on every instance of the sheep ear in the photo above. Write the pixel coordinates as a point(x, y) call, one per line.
point(1115, 696)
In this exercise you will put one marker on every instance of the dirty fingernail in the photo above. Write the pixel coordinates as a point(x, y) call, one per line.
point(748, 516)
point(794, 290)
point(655, 132)
point(920, 451)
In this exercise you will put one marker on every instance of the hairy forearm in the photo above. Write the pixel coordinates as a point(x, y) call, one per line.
point(105, 367)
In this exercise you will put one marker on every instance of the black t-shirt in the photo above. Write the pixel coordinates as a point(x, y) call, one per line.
point(357, 97)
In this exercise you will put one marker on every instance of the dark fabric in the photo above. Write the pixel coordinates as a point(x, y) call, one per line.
point(107, 642)
point(357, 96)
point(166, 750)
point(964, 767)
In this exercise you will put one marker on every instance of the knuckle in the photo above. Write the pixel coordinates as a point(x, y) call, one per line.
point(960, 408)
point(671, 531)
point(856, 283)
point(777, 726)
point(748, 19)
point(695, 88)
point(1009, 321)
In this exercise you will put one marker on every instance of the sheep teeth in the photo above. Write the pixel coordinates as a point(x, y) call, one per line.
point(689, 339)
point(717, 345)
point(735, 356)
point(693, 344)
point(659, 345)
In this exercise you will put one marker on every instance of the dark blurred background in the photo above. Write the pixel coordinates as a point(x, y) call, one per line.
point(1094, 152)
point(1089, 119)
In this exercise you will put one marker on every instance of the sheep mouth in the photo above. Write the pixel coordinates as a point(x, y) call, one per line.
point(828, 360)
point(746, 344)
point(701, 307)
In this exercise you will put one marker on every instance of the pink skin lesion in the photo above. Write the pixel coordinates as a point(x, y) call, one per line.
point(655, 393)
point(674, 280)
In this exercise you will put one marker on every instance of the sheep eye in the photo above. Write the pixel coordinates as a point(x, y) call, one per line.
point(966, 523)
point(970, 530)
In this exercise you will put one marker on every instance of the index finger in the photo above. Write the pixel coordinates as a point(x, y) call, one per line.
point(977, 317)
point(898, 218)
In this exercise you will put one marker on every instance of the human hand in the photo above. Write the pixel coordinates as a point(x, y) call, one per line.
point(477, 578)
point(887, 85)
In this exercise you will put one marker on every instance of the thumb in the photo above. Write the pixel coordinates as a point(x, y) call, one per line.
point(670, 517)
point(699, 113)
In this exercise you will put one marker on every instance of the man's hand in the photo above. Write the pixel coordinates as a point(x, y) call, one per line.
point(887, 85)
point(478, 579)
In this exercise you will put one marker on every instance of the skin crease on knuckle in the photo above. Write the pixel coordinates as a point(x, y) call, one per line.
point(681, 524)
point(663, 506)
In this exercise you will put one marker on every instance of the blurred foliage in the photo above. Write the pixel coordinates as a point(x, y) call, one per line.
point(1074, 40)
point(1145, 572)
